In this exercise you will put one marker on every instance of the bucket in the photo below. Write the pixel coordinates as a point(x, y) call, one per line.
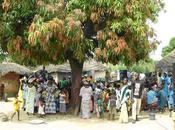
point(152, 116)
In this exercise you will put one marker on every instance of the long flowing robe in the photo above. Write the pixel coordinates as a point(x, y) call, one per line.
point(86, 93)
point(50, 100)
point(124, 96)
point(162, 99)
point(30, 101)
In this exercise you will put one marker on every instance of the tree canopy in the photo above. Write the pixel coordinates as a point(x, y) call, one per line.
point(168, 49)
point(52, 31)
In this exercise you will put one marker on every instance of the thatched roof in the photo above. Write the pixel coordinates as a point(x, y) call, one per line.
point(167, 61)
point(7, 67)
point(65, 68)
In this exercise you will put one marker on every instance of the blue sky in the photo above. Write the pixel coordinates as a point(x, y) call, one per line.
point(165, 28)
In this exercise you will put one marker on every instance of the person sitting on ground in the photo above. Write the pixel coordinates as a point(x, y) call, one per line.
point(151, 99)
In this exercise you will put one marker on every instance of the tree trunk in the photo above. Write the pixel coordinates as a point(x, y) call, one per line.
point(76, 69)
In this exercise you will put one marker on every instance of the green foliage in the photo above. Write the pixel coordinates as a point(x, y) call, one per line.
point(140, 67)
point(168, 49)
point(143, 67)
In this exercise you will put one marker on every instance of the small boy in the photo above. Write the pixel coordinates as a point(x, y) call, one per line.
point(41, 107)
point(16, 107)
point(112, 104)
point(99, 107)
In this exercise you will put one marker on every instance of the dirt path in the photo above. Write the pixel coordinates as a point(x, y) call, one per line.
point(68, 122)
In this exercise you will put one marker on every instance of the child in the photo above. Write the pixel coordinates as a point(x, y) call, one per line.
point(41, 107)
point(112, 104)
point(99, 107)
point(16, 107)
point(62, 102)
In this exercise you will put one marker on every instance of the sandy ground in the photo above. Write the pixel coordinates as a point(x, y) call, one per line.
point(68, 122)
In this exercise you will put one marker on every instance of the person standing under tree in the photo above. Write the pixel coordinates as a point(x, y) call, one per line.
point(124, 97)
point(99, 107)
point(86, 94)
point(62, 99)
point(31, 93)
point(16, 107)
point(112, 104)
point(137, 89)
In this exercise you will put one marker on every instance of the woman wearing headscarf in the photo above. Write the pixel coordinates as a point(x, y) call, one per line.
point(31, 93)
point(124, 97)
point(86, 93)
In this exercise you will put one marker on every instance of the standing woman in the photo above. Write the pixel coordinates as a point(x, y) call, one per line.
point(86, 93)
point(124, 97)
point(31, 93)
point(50, 107)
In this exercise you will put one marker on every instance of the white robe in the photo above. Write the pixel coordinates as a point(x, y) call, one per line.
point(86, 93)
point(30, 101)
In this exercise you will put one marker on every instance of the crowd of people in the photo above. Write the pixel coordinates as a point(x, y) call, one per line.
point(39, 93)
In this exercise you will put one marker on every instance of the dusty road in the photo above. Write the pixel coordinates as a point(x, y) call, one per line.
point(58, 122)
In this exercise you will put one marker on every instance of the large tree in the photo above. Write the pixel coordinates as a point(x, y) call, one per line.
point(53, 31)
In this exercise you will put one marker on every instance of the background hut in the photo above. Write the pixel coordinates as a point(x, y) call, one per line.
point(166, 63)
point(94, 68)
point(10, 73)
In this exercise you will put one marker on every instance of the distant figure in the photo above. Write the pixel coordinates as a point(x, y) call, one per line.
point(151, 99)
point(62, 100)
point(16, 107)
point(124, 98)
point(86, 93)
point(99, 107)
point(30, 102)
point(44, 74)
point(112, 104)
point(2, 95)
point(97, 94)
point(162, 97)
point(41, 107)
point(137, 89)
point(63, 83)
point(171, 95)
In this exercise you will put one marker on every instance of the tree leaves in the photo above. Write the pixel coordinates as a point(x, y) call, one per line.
point(57, 29)
point(168, 49)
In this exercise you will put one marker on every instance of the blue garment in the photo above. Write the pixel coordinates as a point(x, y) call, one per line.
point(166, 87)
point(162, 99)
point(171, 97)
point(151, 95)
